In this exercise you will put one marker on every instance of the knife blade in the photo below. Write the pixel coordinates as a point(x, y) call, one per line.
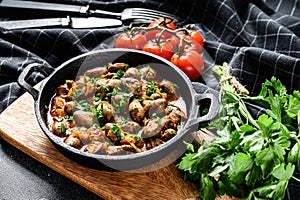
point(72, 22)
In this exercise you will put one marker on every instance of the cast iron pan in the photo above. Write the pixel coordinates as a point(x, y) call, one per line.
point(157, 157)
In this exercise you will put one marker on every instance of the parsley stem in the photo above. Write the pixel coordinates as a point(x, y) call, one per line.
point(297, 179)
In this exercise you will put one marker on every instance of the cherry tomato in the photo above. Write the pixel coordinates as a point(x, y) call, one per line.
point(190, 62)
point(160, 48)
point(191, 39)
point(195, 37)
point(132, 41)
point(161, 22)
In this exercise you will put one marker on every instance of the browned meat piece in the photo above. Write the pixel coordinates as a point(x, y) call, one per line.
point(80, 82)
point(155, 96)
point(96, 134)
point(97, 147)
point(167, 134)
point(71, 123)
point(128, 139)
point(82, 135)
point(113, 137)
point(101, 88)
point(89, 89)
point(83, 87)
point(146, 102)
point(122, 118)
point(58, 102)
point(177, 115)
point(70, 83)
point(154, 127)
point(73, 140)
point(109, 75)
point(69, 96)
point(116, 66)
point(108, 126)
point(131, 127)
point(115, 99)
point(130, 143)
point(140, 144)
point(62, 89)
point(129, 148)
point(132, 85)
point(132, 73)
point(147, 73)
point(156, 106)
point(111, 150)
point(96, 72)
point(107, 110)
point(112, 83)
point(59, 128)
point(57, 112)
point(136, 111)
point(169, 88)
point(83, 118)
point(120, 101)
point(102, 83)
point(154, 142)
point(69, 108)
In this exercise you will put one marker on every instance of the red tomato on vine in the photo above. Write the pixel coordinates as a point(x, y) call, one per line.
point(161, 22)
point(161, 48)
point(131, 41)
point(191, 39)
point(190, 62)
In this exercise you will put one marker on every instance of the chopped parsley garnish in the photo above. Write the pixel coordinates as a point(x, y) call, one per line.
point(77, 92)
point(82, 105)
point(151, 88)
point(97, 99)
point(63, 128)
point(70, 118)
point(126, 67)
point(116, 130)
point(120, 73)
point(169, 108)
point(99, 114)
point(137, 138)
point(143, 74)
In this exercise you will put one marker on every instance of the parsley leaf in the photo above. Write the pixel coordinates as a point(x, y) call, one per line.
point(261, 153)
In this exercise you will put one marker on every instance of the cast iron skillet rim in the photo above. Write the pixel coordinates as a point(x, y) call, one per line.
point(60, 142)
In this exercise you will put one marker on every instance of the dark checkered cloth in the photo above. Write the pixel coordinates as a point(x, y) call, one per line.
point(258, 38)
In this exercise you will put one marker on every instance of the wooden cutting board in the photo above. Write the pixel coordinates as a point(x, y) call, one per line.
point(18, 126)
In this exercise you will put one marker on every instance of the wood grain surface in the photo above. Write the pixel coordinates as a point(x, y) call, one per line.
point(18, 126)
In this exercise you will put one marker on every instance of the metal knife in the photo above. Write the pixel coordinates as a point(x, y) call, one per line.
point(72, 22)
point(83, 10)
point(57, 7)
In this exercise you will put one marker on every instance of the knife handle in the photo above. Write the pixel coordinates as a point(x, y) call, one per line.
point(35, 23)
point(83, 10)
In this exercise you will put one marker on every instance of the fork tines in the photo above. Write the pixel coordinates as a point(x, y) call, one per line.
point(151, 14)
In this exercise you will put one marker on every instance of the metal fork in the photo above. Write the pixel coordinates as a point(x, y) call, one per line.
point(128, 14)
point(135, 14)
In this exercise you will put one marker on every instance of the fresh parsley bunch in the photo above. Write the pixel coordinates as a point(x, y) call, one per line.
point(250, 158)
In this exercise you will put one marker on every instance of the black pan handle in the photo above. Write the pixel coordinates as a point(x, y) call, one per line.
point(24, 76)
point(212, 112)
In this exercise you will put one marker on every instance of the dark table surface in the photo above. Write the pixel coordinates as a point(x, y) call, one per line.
point(22, 177)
